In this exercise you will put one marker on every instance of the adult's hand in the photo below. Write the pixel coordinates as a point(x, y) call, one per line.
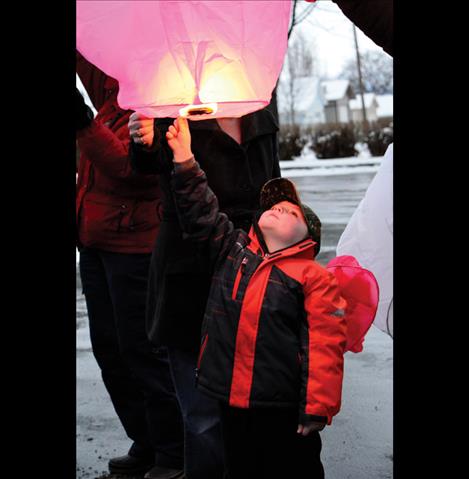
point(141, 129)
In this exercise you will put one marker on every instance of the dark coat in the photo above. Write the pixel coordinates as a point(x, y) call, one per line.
point(179, 278)
point(274, 331)
point(116, 209)
point(374, 18)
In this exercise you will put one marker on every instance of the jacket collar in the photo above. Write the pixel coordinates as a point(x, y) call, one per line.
point(258, 246)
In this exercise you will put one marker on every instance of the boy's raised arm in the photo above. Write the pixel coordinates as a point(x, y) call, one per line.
point(197, 205)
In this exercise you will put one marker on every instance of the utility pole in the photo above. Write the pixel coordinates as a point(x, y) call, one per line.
point(360, 83)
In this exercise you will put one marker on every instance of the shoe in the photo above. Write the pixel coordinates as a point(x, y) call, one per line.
point(159, 472)
point(129, 465)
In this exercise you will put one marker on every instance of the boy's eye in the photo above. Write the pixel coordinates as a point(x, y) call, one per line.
point(294, 214)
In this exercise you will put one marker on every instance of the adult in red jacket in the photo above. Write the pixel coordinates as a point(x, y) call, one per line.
point(117, 221)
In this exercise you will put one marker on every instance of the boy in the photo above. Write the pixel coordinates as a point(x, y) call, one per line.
point(274, 332)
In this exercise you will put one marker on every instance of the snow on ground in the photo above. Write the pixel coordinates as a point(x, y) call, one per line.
point(308, 165)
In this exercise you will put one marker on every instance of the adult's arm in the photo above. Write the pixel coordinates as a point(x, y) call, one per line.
point(93, 79)
point(106, 150)
point(374, 18)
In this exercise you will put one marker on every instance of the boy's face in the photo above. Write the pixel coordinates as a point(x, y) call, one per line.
point(284, 222)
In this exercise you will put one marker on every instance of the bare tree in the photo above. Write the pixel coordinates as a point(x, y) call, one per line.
point(299, 13)
point(299, 63)
point(377, 72)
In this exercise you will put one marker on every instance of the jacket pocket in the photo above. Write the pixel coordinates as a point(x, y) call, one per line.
point(145, 215)
point(100, 216)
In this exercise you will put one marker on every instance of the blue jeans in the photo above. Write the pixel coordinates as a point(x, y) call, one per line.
point(203, 447)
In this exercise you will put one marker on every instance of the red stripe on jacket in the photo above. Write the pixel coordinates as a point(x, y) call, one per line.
point(245, 349)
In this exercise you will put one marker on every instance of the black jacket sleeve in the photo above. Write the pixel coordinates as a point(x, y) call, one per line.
point(374, 18)
point(198, 211)
point(276, 166)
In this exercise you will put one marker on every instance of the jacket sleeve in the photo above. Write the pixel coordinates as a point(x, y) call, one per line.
point(198, 212)
point(276, 166)
point(93, 80)
point(323, 340)
point(105, 150)
point(374, 18)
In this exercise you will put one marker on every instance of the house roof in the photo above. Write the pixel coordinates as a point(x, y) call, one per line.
point(385, 105)
point(335, 89)
point(356, 103)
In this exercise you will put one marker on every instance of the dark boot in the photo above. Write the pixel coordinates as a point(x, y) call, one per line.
point(130, 465)
point(159, 472)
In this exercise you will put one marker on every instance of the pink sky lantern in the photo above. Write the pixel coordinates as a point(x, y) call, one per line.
point(202, 59)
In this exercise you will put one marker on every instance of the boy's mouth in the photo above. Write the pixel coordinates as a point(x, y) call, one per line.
point(272, 213)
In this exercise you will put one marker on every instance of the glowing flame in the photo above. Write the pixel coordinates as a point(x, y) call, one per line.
point(200, 109)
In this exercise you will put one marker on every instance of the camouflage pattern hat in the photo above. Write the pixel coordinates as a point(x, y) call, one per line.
point(281, 189)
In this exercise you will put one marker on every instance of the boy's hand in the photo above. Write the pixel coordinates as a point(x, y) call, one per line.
point(179, 140)
point(141, 129)
point(309, 427)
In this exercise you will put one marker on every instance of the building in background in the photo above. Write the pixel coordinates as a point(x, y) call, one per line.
point(385, 106)
point(338, 93)
point(305, 97)
point(378, 107)
point(371, 107)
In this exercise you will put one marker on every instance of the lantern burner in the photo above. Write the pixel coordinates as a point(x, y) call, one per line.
point(201, 109)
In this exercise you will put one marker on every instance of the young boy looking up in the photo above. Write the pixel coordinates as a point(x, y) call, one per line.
point(274, 332)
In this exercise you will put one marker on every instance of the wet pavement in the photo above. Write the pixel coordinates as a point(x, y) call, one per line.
point(358, 444)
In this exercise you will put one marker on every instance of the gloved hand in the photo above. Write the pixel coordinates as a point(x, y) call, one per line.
point(84, 114)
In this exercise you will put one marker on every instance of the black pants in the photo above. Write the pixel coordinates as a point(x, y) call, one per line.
point(264, 444)
point(136, 376)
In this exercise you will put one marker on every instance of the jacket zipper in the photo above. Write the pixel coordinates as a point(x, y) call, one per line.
point(266, 257)
point(201, 353)
point(239, 275)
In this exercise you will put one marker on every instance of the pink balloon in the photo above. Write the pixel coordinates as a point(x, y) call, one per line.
point(359, 288)
point(167, 55)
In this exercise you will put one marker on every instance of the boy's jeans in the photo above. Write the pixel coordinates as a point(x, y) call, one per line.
point(203, 449)
point(263, 444)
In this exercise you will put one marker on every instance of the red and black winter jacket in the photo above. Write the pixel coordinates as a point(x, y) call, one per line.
point(274, 331)
point(117, 209)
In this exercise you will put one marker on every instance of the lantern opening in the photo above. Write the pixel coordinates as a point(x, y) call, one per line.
point(200, 109)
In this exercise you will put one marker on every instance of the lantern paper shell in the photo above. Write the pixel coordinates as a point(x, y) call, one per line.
point(168, 55)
